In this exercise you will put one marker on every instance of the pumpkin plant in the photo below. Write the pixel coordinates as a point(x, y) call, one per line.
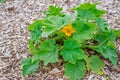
point(71, 37)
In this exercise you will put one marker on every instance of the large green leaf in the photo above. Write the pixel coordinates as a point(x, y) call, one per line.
point(72, 55)
point(53, 23)
point(36, 33)
point(102, 36)
point(29, 66)
point(36, 23)
point(71, 52)
point(108, 51)
point(36, 30)
point(89, 11)
point(84, 31)
point(95, 64)
point(54, 11)
point(75, 71)
point(48, 51)
point(87, 6)
point(71, 44)
point(85, 14)
point(102, 24)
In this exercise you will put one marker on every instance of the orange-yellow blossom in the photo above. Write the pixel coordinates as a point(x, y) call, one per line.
point(68, 30)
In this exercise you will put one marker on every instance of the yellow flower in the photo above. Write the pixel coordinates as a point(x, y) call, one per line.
point(68, 30)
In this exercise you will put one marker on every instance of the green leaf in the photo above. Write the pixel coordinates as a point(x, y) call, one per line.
point(53, 23)
point(89, 11)
point(75, 71)
point(36, 23)
point(116, 33)
point(108, 51)
point(87, 6)
point(72, 55)
point(98, 13)
point(31, 46)
point(36, 33)
point(29, 66)
point(84, 31)
point(95, 64)
point(102, 24)
point(71, 44)
point(54, 11)
point(48, 51)
point(102, 36)
point(71, 52)
point(85, 14)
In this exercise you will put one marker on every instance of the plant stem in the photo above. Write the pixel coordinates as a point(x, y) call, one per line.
point(104, 42)
point(90, 46)
point(60, 48)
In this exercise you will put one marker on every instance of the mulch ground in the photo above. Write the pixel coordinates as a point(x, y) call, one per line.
point(16, 15)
